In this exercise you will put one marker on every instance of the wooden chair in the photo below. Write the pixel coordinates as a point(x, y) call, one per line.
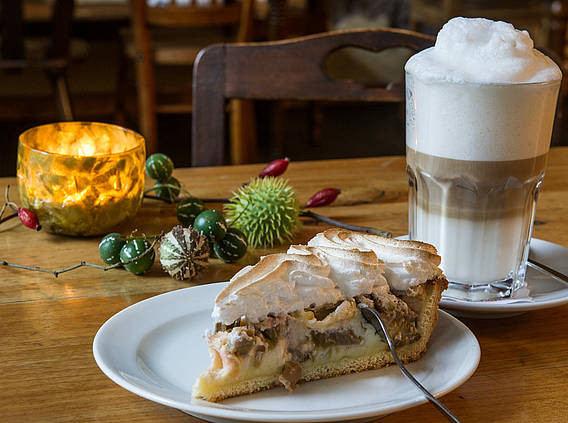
point(283, 70)
point(158, 39)
point(50, 54)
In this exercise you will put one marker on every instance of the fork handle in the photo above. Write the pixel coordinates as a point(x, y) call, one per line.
point(435, 402)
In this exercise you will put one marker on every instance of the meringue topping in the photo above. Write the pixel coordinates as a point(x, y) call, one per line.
point(334, 266)
point(277, 284)
point(355, 272)
point(408, 263)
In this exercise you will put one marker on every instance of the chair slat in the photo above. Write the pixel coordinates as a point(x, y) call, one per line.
point(283, 70)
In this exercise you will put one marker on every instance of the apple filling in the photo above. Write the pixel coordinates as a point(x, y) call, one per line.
point(292, 345)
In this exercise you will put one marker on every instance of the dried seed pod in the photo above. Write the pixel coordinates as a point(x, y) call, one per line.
point(323, 198)
point(183, 252)
point(275, 168)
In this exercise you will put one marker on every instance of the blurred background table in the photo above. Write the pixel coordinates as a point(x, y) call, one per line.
point(48, 324)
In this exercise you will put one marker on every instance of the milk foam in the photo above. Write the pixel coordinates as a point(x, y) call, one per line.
point(470, 97)
point(483, 51)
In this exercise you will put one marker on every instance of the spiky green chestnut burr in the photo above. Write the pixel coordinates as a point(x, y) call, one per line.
point(266, 210)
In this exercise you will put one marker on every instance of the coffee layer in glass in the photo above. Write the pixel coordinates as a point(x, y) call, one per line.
point(476, 156)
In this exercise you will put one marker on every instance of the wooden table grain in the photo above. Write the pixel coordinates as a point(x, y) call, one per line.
point(48, 373)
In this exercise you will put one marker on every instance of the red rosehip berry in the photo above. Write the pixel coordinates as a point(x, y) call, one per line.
point(323, 198)
point(28, 218)
point(275, 168)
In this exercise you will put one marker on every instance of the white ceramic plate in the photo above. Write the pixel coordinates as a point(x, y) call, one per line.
point(156, 349)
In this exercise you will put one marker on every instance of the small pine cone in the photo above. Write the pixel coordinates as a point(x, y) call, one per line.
point(183, 253)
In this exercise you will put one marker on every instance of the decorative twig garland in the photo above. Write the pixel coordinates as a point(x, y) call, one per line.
point(178, 199)
point(10, 216)
point(304, 213)
point(357, 228)
point(206, 232)
point(56, 273)
point(27, 217)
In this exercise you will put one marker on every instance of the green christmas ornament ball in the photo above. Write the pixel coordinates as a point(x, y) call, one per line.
point(159, 167)
point(212, 224)
point(110, 246)
point(266, 210)
point(133, 249)
point(168, 190)
point(232, 247)
point(188, 209)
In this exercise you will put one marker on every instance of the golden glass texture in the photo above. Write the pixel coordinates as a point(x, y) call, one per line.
point(81, 178)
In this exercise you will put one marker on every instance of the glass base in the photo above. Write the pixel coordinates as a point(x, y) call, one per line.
point(489, 292)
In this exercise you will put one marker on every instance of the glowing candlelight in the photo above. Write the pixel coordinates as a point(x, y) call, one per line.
point(81, 178)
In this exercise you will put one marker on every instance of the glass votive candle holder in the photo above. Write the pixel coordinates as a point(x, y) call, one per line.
point(81, 178)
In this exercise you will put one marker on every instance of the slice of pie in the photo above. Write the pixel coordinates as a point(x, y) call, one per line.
point(293, 317)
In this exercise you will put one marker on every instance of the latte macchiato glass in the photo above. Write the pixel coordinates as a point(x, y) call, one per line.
point(476, 157)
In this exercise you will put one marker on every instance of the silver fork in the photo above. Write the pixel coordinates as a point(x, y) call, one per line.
point(371, 316)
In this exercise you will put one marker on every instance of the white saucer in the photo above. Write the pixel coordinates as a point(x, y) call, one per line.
point(546, 291)
point(155, 349)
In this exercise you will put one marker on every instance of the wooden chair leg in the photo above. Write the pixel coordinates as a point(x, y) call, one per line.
point(317, 117)
point(64, 110)
point(145, 78)
point(146, 97)
point(278, 125)
point(243, 132)
point(122, 84)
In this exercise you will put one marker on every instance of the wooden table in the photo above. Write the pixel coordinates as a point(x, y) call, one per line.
point(48, 373)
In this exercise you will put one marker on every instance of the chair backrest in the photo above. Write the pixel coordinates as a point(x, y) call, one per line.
point(12, 34)
point(290, 69)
